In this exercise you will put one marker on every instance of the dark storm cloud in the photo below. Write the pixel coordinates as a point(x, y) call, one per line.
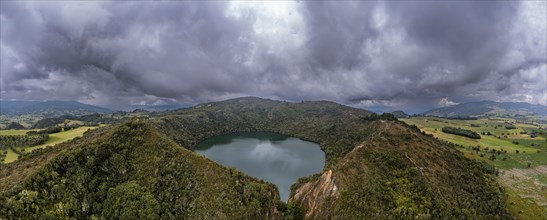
point(427, 51)
point(472, 35)
point(165, 50)
point(366, 53)
point(336, 32)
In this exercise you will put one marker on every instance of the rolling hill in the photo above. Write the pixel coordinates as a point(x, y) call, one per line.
point(400, 114)
point(376, 167)
point(490, 108)
point(154, 108)
point(49, 108)
point(129, 171)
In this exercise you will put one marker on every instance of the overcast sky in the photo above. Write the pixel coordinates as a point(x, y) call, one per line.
point(400, 55)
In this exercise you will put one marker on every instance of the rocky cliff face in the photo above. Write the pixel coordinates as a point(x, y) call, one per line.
point(318, 194)
point(399, 173)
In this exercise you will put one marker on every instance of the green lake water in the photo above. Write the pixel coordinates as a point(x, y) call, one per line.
point(275, 158)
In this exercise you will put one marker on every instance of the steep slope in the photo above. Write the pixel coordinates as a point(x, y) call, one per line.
point(484, 108)
point(399, 173)
point(130, 171)
point(336, 127)
point(375, 168)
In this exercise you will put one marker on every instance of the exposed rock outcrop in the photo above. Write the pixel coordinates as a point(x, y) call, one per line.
point(316, 194)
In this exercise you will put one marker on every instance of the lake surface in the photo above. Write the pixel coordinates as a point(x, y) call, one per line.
point(275, 158)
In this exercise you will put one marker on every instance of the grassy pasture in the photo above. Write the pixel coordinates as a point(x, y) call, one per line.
point(524, 174)
point(54, 139)
point(10, 156)
point(13, 132)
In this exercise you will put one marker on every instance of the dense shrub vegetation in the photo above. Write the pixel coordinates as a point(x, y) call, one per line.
point(49, 130)
point(335, 127)
point(51, 122)
point(382, 169)
point(510, 127)
point(10, 141)
point(383, 116)
point(129, 200)
point(397, 174)
point(338, 129)
point(88, 120)
point(132, 172)
point(461, 132)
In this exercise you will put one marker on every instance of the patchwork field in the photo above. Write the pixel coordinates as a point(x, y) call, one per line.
point(54, 139)
point(520, 158)
point(14, 132)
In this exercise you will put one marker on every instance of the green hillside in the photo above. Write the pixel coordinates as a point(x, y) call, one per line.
point(376, 168)
point(131, 172)
point(520, 156)
point(518, 110)
point(365, 159)
point(398, 173)
point(336, 127)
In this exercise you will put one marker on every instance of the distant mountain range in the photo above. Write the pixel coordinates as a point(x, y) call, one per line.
point(491, 108)
point(400, 114)
point(152, 108)
point(51, 108)
point(470, 109)
point(57, 108)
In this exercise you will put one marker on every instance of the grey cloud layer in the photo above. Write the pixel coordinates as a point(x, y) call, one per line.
point(367, 53)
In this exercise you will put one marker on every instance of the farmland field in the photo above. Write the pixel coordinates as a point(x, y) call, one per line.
point(54, 139)
point(520, 158)
point(13, 132)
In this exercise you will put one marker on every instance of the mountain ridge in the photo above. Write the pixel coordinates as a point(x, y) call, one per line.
point(376, 167)
point(171, 181)
point(15, 108)
point(411, 169)
point(488, 108)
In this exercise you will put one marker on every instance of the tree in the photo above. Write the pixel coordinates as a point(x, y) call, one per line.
point(130, 201)
point(293, 212)
point(461, 132)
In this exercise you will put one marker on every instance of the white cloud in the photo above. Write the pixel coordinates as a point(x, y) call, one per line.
point(444, 102)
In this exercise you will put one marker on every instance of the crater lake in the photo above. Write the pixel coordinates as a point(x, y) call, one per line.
point(272, 157)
